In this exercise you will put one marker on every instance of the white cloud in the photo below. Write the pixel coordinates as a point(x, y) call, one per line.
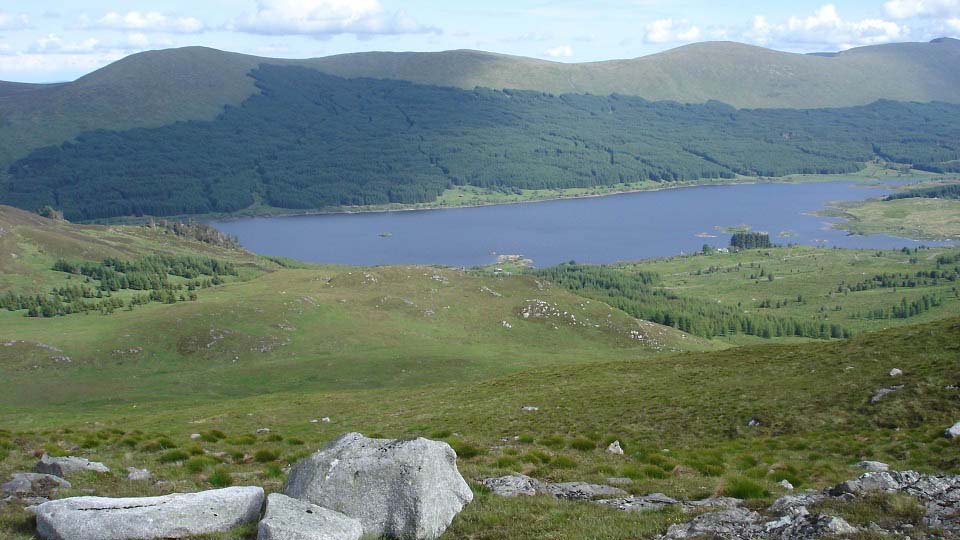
point(150, 21)
point(560, 51)
point(10, 21)
point(906, 9)
point(825, 28)
point(955, 24)
point(326, 18)
point(671, 31)
point(49, 66)
point(54, 44)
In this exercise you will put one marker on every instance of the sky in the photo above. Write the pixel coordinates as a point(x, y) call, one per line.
point(57, 40)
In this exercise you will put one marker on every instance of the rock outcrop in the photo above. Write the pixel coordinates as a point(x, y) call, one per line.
point(407, 489)
point(32, 488)
point(173, 516)
point(65, 466)
point(291, 519)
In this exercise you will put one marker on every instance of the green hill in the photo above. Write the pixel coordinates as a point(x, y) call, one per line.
point(310, 140)
point(160, 87)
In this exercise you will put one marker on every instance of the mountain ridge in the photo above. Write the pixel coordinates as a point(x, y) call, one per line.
point(161, 87)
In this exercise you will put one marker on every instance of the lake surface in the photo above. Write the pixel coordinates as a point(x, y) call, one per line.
point(598, 230)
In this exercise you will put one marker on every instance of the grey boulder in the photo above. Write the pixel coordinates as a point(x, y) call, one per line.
point(138, 475)
point(738, 523)
point(291, 519)
point(32, 485)
point(179, 515)
point(582, 491)
point(407, 489)
point(953, 431)
point(515, 485)
point(65, 466)
point(640, 503)
point(873, 466)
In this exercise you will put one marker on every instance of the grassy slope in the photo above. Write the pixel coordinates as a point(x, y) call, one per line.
point(160, 87)
point(813, 273)
point(911, 218)
point(682, 420)
point(283, 329)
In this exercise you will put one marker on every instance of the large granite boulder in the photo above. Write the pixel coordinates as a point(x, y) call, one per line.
point(65, 466)
point(407, 489)
point(733, 523)
point(292, 519)
point(179, 515)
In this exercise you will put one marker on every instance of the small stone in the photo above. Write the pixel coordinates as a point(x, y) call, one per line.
point(325, 420)
point(785, 484)
point(753, 423)
point(582, 491)
point(530, 408)
point(137, 475)
point(263, 430)
point(896, 372)
point(516, 485)
point(883, 392)
point(954, 431)
point(615, 448)
point(195, 436)
point(640, 503)
point(874, 466)
point(619, 481)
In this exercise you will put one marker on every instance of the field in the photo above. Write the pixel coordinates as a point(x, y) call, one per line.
point(456, 355)
point(931, 219)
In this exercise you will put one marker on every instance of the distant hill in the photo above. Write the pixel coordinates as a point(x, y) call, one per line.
point(161, 87)
point(310, 140)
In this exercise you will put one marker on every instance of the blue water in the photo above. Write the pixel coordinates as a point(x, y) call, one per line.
point(598, 230)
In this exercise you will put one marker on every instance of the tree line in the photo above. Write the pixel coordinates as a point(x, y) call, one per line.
point(309, 140)
point(149, 275)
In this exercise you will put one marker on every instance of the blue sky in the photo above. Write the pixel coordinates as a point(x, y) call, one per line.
point(46, 40)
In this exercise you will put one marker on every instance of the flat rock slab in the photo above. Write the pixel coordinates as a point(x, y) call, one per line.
point(640, 503)
point(582, 491)
point(291, 519)
point(23, 485)
point(65, 466)
point(516, 485)
point(146, 518)
point(408, 489)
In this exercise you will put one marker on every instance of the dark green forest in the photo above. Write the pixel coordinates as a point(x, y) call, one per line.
point(310, 140)
point(949, 191)
point(750, 240)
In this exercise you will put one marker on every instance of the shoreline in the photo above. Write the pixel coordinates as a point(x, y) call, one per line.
point(352, 210)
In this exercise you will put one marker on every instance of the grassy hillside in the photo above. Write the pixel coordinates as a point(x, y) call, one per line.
point(780, 292)
point(161, 87)
point(311, 141)
point(682, 420)
point(271, 328)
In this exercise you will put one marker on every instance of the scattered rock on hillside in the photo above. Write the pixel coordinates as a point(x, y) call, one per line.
point(137, 475)
point(65, 466)
point(172, 516)
point(711, 502)
point(873, 466)
point(515, 485)
point(640, 503)
point(619, 481)
point(582, 491)
point(785, 484)
point(896, 372)
point(195, 436)
point(753, 422)
point(791, 503)
point(615, 448)
point(731, 523)
point(29, 486)
point(953, 432)
point(530, 408)
point(804, 525)
point(404, 489)
point(291, 519)
point(883, 392)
